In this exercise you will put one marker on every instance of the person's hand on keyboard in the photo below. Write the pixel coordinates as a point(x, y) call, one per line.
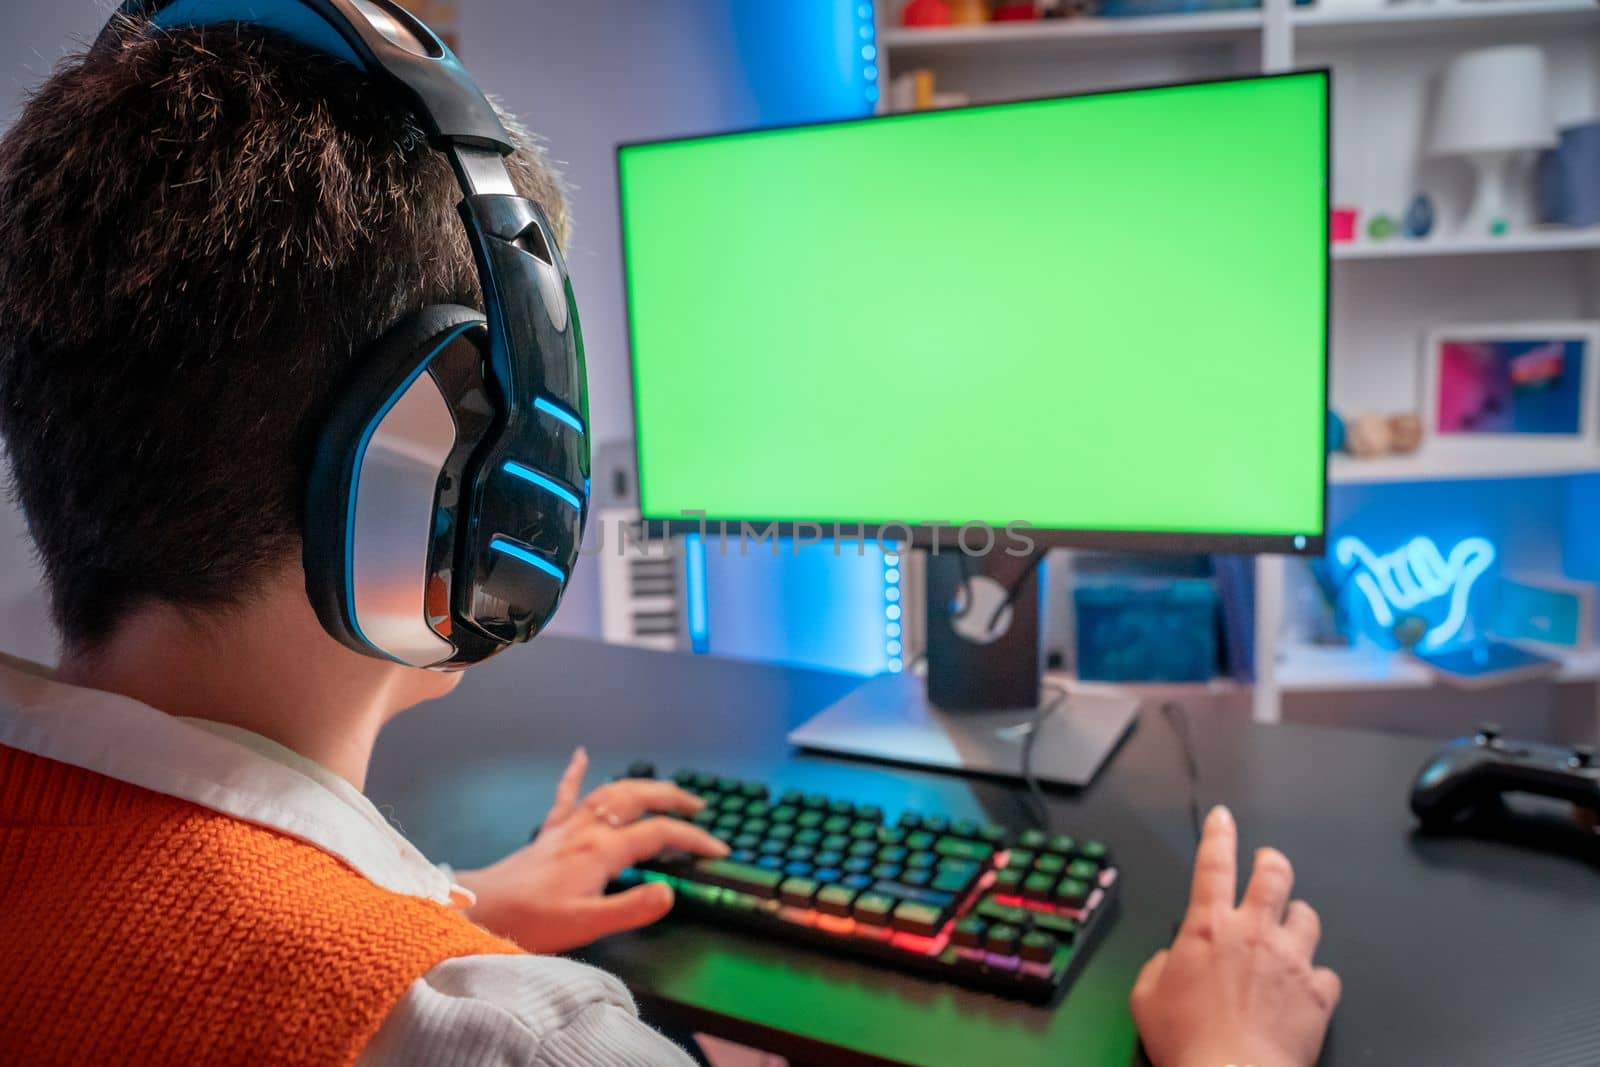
point(549, 895)
point(1238, 985)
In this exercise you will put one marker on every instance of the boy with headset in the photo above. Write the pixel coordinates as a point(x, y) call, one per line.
point(208, 233)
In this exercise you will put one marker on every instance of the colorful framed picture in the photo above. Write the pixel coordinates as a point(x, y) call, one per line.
point(1486, 386)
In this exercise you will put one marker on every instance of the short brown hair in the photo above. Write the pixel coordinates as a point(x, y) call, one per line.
point(200, 230)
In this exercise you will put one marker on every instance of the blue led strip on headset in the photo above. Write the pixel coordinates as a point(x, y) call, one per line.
point(549, 485)
point(557, 412)
point(517, 551)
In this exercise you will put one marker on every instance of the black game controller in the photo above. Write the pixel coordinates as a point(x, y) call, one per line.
point(1471, 775)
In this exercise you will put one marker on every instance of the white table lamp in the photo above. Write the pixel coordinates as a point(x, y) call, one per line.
point(1493, 104)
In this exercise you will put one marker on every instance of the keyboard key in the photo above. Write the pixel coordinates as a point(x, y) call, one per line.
point(827, 874)
point(887, 871)
point(744, 877)
point(1072, 893)
point(781, 832)
point(754, 790)
point(937, 824)
point(807, 837)
point(792, 798)
point(891, 835)
point(873, 908)
point(893, 854)
point(1064, 929)
point(835, 842)
point(809, 819)
point(964, 828)
point(857, 881)
point(920, 841)
point(917, 876)
point(835, 899)
point(798, 891)
point(784, 813)
point(1002, 939)
point(1038, 886)
point(727, 785)
point(828, 858)
point(1038, 947)
point(836, 824)
point(1083, 870)
point(732, 802)
point(797, 868)
point(931, 897)
point(701, 781)
point(770, 863)
point(728, 820)
point(705, 817)
point(842, 807)
point(746, 841)
point(969, 932)
point(801, 852)
point(743, 855)
point(1093, 850)
point(916, 918)
point(857, 865)
point(1062, 843)
point(995, 835)
point(870, 812)
point(977, 851)
point(862, 848)
point(1033, 839)
point(757, 809)
point(816, 801)
point(994, 911)
point(953, 881)
point(1019, 859)
point(921, 859)
point(864, 831)
point(910, 820)
point(1049, 863)
point(1008, 881)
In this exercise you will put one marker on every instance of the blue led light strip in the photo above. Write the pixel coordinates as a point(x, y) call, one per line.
point(518, 551)
point(555, 488)
point(556, 411)
point(694, 566)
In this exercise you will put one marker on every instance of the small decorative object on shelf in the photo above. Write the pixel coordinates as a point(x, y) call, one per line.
point(1569, 178)
point(1419, 217)
point(1342, 224)
point(1382, 227)
point(1368, 435)
point(1405, 432)
point(1493, 107)
point(925, 13)
point(1012, 11)
point(968, 12)
point(1336, 432)
point(1487, 387)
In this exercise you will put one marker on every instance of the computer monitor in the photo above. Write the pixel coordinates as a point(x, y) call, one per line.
point(1096, 320)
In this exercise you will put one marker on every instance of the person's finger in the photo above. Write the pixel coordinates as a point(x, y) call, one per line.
point(651, 837)
point(595, 917)
point(569, 788)
point(1303, 926)
point(631, 798)
point(1215, 874)
point(1327, 986)
point(1267, 895)
point(1149, 975)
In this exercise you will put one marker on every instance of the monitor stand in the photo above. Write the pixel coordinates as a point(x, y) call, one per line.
point(982, 694)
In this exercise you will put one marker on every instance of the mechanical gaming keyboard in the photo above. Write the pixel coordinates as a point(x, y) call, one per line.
point(1012, 913)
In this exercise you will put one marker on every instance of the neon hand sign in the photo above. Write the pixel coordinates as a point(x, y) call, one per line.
point(1415, 574)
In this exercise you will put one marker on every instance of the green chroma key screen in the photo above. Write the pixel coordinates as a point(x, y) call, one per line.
point(1101, 313)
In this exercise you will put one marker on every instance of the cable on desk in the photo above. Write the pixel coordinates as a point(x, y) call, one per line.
point(1178, 719)
point(1035, 790)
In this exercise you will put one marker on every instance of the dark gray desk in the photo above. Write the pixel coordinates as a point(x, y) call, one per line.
point(1453, 952)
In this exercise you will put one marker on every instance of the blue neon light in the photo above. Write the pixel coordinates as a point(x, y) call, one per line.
point(528, 474)
point(556, 411)
point(525, 555)
point(694, 572)
point(1415, 574)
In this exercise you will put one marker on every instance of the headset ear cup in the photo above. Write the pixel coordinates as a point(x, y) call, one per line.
point(380, 373)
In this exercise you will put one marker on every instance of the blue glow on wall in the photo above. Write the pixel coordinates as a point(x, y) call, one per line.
point(1582, 533)
point(1520, 518)
point(694, 572)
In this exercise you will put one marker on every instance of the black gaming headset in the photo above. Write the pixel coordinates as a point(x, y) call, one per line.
point(450, 484)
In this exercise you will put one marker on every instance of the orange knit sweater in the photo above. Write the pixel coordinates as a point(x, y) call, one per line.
point(140, 929)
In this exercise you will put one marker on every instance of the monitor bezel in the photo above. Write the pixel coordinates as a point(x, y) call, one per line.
point(935, 537)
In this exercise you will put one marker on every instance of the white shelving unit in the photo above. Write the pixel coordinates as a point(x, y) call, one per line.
point(1387, 294)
